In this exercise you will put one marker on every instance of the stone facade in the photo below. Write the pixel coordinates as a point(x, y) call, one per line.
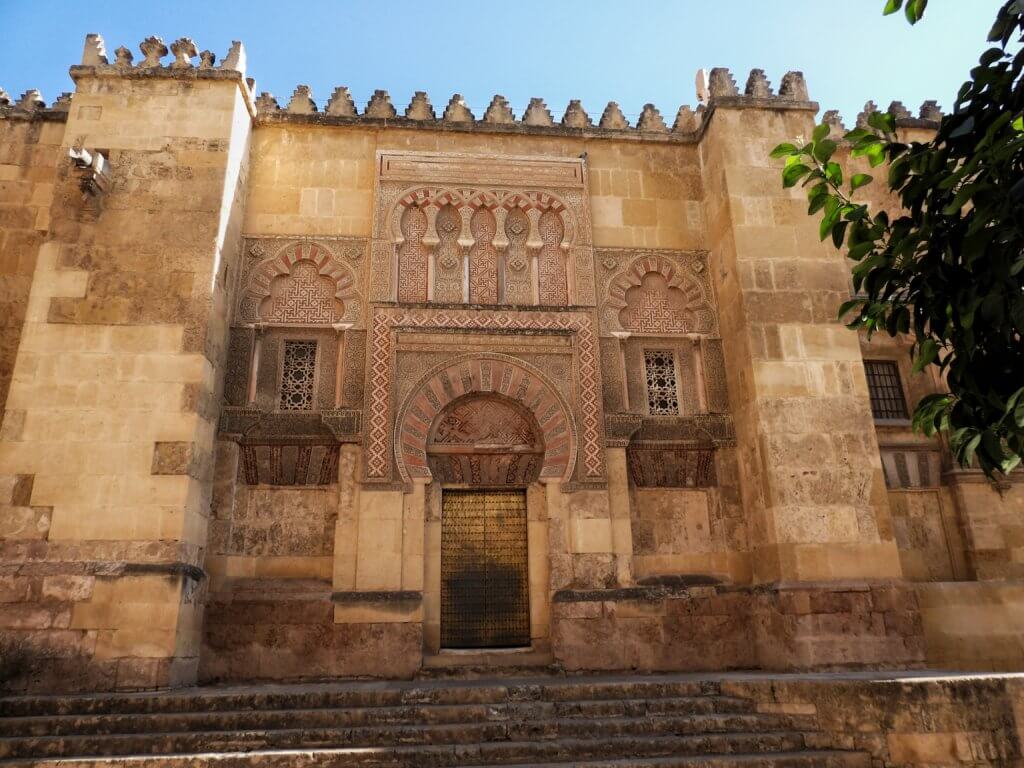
point(245, 351)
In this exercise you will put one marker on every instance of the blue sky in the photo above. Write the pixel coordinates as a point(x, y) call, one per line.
point(595, 50)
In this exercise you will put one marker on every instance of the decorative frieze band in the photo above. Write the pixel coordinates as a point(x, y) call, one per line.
point(386, 320)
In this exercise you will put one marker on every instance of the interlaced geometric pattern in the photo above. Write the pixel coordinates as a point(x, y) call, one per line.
point(885, 389)
point(306, 298)
point(518, 289)
point(298, 376)
point(412, 257)
point(483, 259)
point(448, 257)
point(551, 261)
point(654, 307)
point(662, 395)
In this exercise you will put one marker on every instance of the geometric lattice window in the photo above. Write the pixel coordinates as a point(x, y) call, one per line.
point(298, 375)
point(662, 393)
point(885, 389)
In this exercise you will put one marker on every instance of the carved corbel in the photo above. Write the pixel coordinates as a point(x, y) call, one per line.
point(94, 176)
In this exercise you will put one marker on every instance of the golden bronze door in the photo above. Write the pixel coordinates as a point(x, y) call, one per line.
point(485, 597)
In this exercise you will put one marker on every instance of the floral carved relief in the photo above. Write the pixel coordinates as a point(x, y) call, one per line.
point(485, 405)
point(656, 292)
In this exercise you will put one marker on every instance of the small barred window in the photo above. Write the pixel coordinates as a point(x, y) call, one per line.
point(297, 377)
point(885, 389)
point(662, 394)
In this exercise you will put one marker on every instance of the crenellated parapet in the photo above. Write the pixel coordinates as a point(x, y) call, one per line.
point(929, 116)
point(182, 51)
point(718, 88)
point(715, 88)
point(182, 59)
point(499, 116)
point(31, 106)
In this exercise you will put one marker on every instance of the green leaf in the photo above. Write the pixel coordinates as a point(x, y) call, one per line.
point(820, 132)
point(915, 10)
point(1018, 124)
point(793, 173)
point(969, 449)
point(859, 180)
point(818, 202)
point(929, 351)
point(860, 250)
point(839, 233)
point(824, 149)
point(783, 150)
point(846, 306)
point(891, 6)
point(992, 446)
point(882, 121)
point(876, 155)
point(962, 196)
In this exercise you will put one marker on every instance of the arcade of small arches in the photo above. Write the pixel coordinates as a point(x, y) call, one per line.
point(482, 247)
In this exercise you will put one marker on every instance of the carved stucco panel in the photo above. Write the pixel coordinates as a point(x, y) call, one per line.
point(470, 183)
point(688, 291)
point(382, 363)
point(279, 271)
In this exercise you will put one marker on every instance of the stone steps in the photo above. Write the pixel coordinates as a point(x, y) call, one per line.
point(370, 694)
point(372, 736)
point(227, 720)
point(339, 758)
point(628, 721)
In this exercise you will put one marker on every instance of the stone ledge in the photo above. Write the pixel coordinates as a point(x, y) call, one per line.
point(368, 596)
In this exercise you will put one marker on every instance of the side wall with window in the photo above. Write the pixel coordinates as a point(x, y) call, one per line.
point(960, 536)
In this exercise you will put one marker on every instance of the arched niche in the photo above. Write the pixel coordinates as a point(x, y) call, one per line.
point(521, 389)
point(653, 296)
point(303, 283)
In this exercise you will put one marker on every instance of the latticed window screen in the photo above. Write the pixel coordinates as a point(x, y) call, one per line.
point(298, 375)
point(662, 393)
point(885, 389)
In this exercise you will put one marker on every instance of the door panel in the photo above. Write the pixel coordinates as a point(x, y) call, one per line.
point(485, 599)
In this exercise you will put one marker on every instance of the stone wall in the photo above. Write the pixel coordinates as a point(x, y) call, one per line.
point(29, 147)
point(126, 518)
point(973, 625)
point(812, 481)
point(703, 628)
point(109, 422)
point(904, 722)
point(286, 630)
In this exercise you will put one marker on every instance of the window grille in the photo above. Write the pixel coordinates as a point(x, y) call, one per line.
point(298, 376)
point(662, 393)
point(886, 392)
